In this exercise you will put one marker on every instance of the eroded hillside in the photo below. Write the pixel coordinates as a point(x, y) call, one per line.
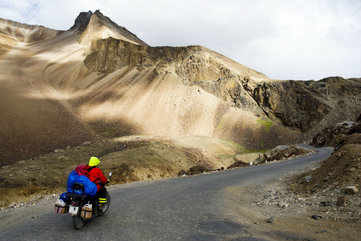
point(61, 88)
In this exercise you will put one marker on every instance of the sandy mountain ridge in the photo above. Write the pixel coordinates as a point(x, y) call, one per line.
point(61, 88)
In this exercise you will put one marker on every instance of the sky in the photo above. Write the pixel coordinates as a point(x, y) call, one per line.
point(298, 39)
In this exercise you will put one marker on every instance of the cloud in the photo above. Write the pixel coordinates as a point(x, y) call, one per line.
point(283, 39)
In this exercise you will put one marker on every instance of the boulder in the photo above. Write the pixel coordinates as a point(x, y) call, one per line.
point(350, 190)
point(197, 170)
point(333, 136)
point(316, 217)
point(341, 201)
point(270, 220)
point(86, 143)
point(355, 129)
point(283, 152)
point(238, 164)
point(182, 173)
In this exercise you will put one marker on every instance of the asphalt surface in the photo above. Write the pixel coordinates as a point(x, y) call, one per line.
point(188, 208)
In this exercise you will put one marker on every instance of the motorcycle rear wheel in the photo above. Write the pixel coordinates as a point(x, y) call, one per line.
point(78, 222)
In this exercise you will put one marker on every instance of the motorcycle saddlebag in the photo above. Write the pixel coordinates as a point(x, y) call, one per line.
point(61, 207)
point(86, 211)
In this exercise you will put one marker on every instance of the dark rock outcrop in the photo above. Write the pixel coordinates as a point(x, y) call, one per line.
point(336, 135)
point(284, 152)
point(81, 22)
point(238, 164)
point(197, 170)
point(292, 103)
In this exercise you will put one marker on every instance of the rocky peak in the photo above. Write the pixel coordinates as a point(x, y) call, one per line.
point(81, 22)
point(94, 25)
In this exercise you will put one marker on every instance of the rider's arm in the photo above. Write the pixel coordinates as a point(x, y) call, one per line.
point(101, 177)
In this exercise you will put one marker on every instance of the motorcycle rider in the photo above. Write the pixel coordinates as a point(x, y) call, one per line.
point(95, 175)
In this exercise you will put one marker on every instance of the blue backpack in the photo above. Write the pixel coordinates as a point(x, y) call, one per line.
point(90, 188)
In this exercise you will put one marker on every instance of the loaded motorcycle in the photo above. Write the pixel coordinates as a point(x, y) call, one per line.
point(82, 207)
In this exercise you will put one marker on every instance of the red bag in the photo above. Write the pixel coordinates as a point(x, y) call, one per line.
point(82, 170)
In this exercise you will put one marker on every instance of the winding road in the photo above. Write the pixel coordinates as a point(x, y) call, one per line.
point(190, 208)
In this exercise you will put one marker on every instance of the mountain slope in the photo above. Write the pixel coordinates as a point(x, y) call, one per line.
point(62, 88)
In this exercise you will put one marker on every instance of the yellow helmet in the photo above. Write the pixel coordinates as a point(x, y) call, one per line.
point(93, 161)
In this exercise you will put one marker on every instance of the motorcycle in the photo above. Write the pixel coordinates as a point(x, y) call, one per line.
point(83, 208)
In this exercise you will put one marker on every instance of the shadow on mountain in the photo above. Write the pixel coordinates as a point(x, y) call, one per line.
point(31, 126)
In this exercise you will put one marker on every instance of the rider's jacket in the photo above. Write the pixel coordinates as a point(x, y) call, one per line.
point(96, 175)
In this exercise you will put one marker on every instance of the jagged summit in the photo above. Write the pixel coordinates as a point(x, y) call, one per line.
point(81, 22)
point(95, 26)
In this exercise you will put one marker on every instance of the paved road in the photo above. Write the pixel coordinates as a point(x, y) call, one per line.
point(190, 208)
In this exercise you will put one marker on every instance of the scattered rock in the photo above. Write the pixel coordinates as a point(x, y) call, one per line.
point(283, 205)
point(330, 136)
point(197, 170)
point(325, 203)
point(238, 164)
point(282, 152)
point(182, 173)
point(316, 217)
point(86, 143)
point(308, 178)
point(270, 220)
point(341, 201)
point(58, 150)
point(350, 190)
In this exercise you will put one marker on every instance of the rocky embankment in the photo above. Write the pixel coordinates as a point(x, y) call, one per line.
point(325, 200)
point(343, 168)
point(333, 189)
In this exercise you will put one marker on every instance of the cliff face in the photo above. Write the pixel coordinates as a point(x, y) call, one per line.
point(192, 65)
point(291, 102)
point(300, 105)
point(310, 105)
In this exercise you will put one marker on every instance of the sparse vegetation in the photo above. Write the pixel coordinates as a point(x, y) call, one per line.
point(267, 124)
point(129, 160)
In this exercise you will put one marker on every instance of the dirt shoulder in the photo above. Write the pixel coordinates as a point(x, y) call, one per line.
point(274, 211)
